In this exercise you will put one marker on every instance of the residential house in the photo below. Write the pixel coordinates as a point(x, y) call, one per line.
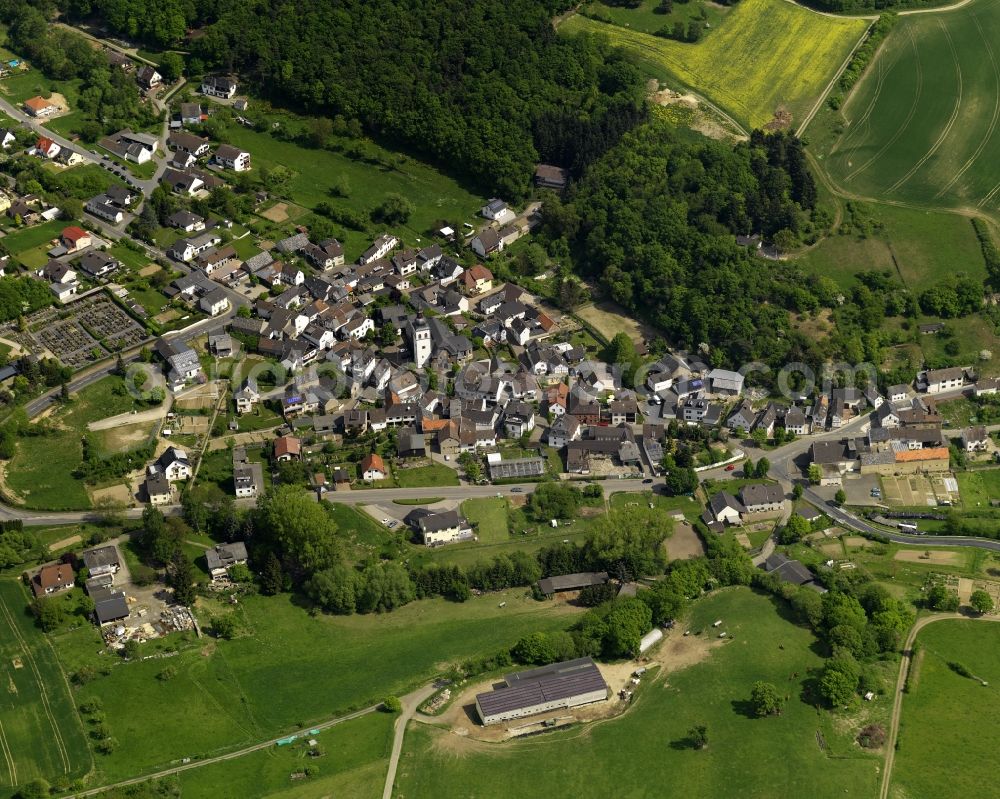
point(46, 148)
point(99, 206)
point(742, 417)
point(762, 498)
point(53, 579)
point(723, 508)
point(498, 211)
point(147, 77)
point(173, 464)
point(187, 221)
point(381, 247)
point(158, 489)
point(551, 177)
point(975, 439)
point(186, 183)
point(102, 561)
point(477, 279)
point(287, 448)
point(98, 264)
point(223, 557)
point(935, 381)
point(487, 242)
point(219, 86)
point(39, 107)
point(372, 468)
point(188, 143)
point(75, 239)
point(444, 527)
point(234, 158)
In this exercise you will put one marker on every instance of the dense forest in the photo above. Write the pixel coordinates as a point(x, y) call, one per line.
point(654, 222)
point(487, 89)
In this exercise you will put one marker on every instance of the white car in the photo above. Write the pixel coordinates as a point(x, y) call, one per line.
point(385, 521)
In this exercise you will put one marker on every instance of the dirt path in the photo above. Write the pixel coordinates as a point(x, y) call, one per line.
point(152, 415)
point(897, 702)
point(410, 704)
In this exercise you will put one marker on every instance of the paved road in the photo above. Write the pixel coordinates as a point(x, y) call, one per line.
point(230, 756)
point(410, 703)
point(897, 702)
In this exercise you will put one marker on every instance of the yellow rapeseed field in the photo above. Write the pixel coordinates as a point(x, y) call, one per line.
point(766, 55)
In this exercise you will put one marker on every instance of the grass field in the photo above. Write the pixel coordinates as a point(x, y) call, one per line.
point(978, 488)
point(434, 196)
point(287, 670)
point(490, 517)
point(643, 752)
point(434, 474)
point(946, 733)
point(40, 731)
point(41, 472)
point(920, 125)
point(767, 55)
point(26, 238)
point(353, 763)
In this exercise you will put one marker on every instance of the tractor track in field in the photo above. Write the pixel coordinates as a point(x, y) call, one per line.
point(43, 694)
point(8, 757)
point(993, 120)
point(906, 122)
point(948, 126)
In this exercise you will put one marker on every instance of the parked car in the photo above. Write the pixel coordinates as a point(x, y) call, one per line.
point(730, 467)
point(647, 481)
point(517, 491)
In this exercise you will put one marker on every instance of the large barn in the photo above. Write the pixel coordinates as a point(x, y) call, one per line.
point(528, 693)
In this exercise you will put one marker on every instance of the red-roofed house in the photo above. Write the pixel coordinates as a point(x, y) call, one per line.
point(46, 147)
point(372, 467)
point(75, 238)
point(39, 107)
point(287, 448)
point(477, 279)
point(52, 579)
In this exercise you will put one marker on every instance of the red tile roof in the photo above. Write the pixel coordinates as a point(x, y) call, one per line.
point(74, 233)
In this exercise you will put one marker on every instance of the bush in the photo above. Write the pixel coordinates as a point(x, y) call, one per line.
point(872, 737)
point(391, 704)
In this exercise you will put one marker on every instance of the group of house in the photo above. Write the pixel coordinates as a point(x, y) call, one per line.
point(904, 437)
point(102, 565)
point(756, 501)
point(75, 258)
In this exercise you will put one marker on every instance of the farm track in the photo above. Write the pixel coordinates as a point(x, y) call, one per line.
point(993, 120)
point(863, 119)
point(8, 757)
point(948, 125)
point(42, 692)
point(906, 122)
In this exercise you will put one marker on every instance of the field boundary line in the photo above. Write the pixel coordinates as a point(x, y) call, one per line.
point(948, 126)
point(43, 694)
point(863, 119)
point(833, 82)
point(9, 757)
point(993, 120)
point(906, 122)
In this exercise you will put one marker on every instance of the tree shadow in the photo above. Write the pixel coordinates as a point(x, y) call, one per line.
point(687, 743)
point(743, 707)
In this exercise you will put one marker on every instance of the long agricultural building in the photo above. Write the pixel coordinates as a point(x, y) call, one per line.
point(527, 693)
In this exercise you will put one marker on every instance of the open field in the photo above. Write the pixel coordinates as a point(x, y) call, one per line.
point(919, 128)
point(353, 763)
point(928, 248)
point(41, 472)
point(30, 237)
point(433, 474)
point(287, 669)
point(978, 488)
point(946, 740)
point(40, 731)
point(767, 55)
point(818, 756)
point(434, 196)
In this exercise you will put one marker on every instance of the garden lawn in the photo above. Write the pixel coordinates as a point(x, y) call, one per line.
point(489, 516)
point(946, 747)
point(29, 237)
point(978, 488)
point(353, 763)
point(129, 257)
point(647, 747)
point(42, 733)
point(766, 55)
point(434, 474)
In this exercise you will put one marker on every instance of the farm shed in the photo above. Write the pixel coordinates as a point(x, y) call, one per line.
point(527, 693)
point(571, 582)
point(650, 638)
